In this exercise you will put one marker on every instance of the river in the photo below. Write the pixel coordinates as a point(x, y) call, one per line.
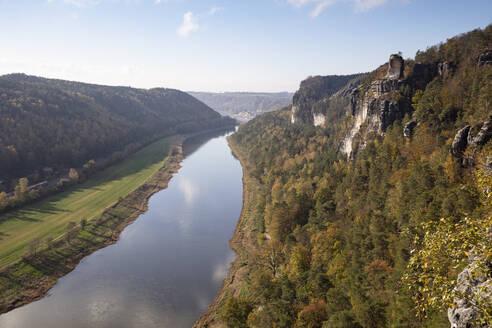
point(166, 268)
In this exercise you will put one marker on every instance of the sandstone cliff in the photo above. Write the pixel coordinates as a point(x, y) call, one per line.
point(315, 90)
point(374, 101)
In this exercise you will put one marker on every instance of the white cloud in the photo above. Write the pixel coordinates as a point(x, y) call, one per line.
point(191, 21)
point(220, 269)
point(82, 3)
point(190, 24)
point(362, 5)
point(188, 189)
point(215, 10)
point(321, 6)
point(93, 3)
point(359, 5)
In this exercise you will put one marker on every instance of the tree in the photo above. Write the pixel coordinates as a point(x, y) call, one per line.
point(89, 167)
point(270, 256)
point(71, 231)
point(235, 312)
point(312, 316)
point(49, 242)
point(299, 260)
point(83, 223)
point(281, 224)
point(73, 175)
point(4, 200)
point(34, 246)
point(445, 248)
point(262, 285)
point(21, 190)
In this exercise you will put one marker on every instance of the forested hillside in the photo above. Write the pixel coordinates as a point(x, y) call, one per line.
point(244, 105)
point(61, 124)
point(375, 234)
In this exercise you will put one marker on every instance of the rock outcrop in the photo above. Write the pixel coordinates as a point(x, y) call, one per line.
point(382, 87)
point(445, 69)
point(460, 141)
point(313, 90)
point(349, 89)
point(483, 136)
point(471, 285)
point(485, 58)
point(378, 105)
point(464, 138)
point(396, 66)
point(381, 105)
point(319, 119)
point(409, 128)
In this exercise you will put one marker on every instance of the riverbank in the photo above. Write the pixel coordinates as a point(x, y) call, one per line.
point(35, 274)
point(243, 243)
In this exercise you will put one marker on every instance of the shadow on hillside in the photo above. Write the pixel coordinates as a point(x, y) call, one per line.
point(28, 214)
point(3, 234)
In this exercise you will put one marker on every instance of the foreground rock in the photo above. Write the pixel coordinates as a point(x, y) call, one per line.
point(472, 285)
point(464, 139)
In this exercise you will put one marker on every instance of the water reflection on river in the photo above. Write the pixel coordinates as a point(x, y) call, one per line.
point(166, 268)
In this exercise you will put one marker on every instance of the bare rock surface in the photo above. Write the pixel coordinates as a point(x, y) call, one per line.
point(472, 285)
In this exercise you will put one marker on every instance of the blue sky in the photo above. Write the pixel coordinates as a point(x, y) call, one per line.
point(221, 45)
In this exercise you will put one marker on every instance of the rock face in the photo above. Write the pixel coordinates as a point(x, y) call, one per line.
point(464, 138)
point(485, 58)
point(381, 87)
point(445, 69)
point(348, 89)
point(460, 141)
point(384, 112)
point(319, 119)
point(313, 90)
point(471, 284)
point(300, 115)
point(395, 67)
point(409, 128)
point(483, 136)
point(378, 107)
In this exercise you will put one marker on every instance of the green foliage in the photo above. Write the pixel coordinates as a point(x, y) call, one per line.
point(62, 124)
point(312, 316)
point(21, 190)
point(447, 246)
point(4, 201)
point(235, 312)
point(443, 251)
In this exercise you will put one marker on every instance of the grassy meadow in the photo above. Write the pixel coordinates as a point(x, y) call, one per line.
point(49, 217)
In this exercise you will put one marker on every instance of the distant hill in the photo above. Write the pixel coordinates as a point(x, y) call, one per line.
point(62, 124)
point(244, 105)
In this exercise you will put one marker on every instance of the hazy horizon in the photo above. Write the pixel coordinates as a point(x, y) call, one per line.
point(221, 46)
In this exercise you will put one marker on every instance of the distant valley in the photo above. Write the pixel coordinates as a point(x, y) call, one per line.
point(244, 106)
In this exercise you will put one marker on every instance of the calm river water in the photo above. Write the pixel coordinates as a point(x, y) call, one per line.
point(166, 268)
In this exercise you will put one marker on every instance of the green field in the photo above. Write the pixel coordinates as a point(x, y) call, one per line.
point(49, 217)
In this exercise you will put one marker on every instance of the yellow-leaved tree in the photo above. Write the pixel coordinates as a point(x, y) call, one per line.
point(446, 247)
